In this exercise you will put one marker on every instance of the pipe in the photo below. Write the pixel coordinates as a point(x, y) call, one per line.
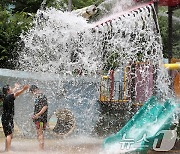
point(174, 66)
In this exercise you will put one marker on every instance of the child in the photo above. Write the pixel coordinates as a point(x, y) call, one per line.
point(8, 111)
point(1, 102)
point(40, 113)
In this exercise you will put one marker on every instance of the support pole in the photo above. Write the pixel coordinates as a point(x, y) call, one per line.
point(170, 12)
point(69, 5)
point(156, 6)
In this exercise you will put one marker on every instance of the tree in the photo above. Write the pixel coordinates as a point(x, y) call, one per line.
point(30, 6)
point(14, 20)
point(163, 24)
point(69, 5)
point(176, 34)
point(4, 3)
point(76, 4)
point(11, 26)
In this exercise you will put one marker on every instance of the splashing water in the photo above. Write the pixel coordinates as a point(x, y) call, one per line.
point(50, 43)
point(62, 43)
point(110, 7)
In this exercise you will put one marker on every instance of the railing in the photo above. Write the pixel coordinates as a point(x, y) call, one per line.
point(135, 84)
point(113, 91)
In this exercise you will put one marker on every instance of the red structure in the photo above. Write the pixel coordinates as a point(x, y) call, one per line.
point(111, 76)
point(171, 3)
point(172, 6)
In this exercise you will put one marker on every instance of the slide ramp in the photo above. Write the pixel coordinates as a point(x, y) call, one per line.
point(142, 128)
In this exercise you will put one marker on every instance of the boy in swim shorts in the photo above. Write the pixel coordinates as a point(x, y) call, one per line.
point(40, 113)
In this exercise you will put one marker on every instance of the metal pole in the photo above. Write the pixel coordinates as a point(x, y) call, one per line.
point(156, 6)
point(69, 5)
point(170, 12)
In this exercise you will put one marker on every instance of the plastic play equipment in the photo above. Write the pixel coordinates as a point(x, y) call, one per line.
point(153, 116)
point(62, 122)
point(169, 2)
point(173, 66)
point(142, 128)
point(111, 76)
point(109, 87)
point(142, 80)
point(137, 78)
point(177, 85)
point(176, 81)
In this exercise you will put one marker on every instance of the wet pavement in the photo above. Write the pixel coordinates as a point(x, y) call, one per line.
point(82, 145)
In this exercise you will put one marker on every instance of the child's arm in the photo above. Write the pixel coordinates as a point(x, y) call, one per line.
point(19, 92)
point(41, 112)
point(16, 86)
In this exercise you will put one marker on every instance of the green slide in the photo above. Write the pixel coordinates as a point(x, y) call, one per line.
point(138, 133)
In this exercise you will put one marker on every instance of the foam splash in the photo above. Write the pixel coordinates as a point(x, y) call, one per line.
point(59, 45)
point(63, 43)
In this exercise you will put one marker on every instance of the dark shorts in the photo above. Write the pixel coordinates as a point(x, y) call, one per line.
point(40, 125)
point(8, 126)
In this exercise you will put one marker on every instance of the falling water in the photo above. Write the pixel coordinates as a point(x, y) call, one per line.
point(72, 49)
point(63, 43)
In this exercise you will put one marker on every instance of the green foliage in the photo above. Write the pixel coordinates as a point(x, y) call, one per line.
point(15, 21)
point(11, 26)
point(163, 24)
point(4, 3)
point(30, 6)
point(76, 4)
point(1, 103)
point(177, 13)
point(112, 62)
point(176, 34)
point(58, 4)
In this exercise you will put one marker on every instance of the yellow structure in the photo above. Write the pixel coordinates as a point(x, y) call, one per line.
point(174, 60)
point(107, 83)
point(105, 90)
point(174, 66)
point(177, 84)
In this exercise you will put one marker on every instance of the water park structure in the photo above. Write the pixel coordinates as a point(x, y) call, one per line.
point(114, 93)
point(133, 88)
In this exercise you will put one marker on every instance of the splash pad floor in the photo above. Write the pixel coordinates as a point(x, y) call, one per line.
point(79, 145)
